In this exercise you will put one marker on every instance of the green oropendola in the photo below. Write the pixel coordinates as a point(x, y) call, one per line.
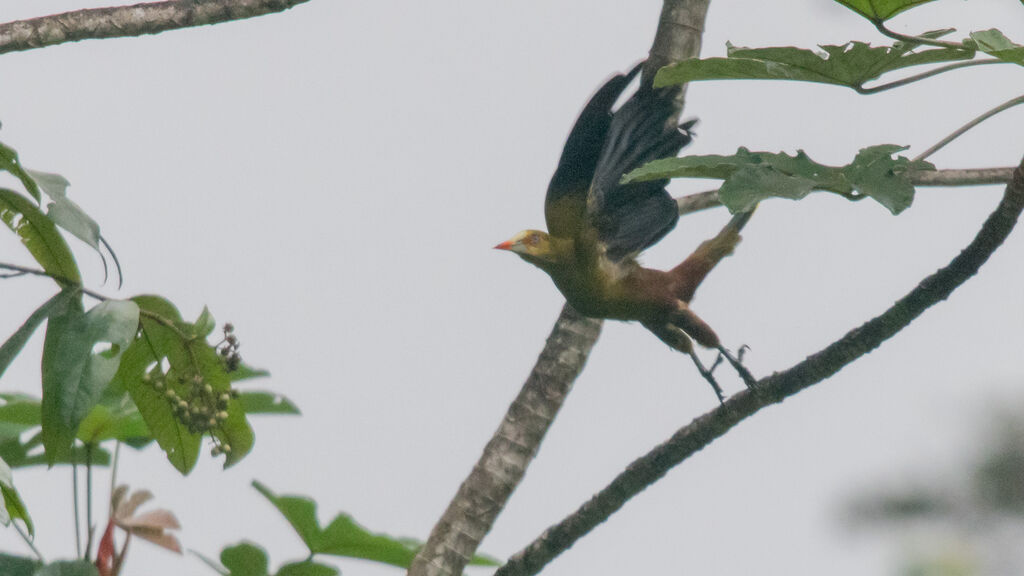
point(597, 226)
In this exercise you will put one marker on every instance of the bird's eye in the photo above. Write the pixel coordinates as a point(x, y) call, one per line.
point(532, 240)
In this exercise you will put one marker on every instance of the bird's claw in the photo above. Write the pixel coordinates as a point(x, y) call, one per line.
point(737, 364)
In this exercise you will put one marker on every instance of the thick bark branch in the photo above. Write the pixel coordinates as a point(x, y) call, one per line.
point(135, 20)
point(774, 389)
point(956, 177)
point(485, 492)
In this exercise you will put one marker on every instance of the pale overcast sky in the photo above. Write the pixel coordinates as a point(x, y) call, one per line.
point(331, 180)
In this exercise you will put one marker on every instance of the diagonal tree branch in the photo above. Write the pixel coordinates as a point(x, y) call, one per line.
point(774, 389)
point(951, 177)
point(501, 467)
point(135, 20)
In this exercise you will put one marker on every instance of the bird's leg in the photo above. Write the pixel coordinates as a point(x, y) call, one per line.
point(684, 319)
point(737, 365)
point(707, 374)
point(679, 341)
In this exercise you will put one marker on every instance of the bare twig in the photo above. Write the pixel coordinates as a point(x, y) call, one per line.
point(773, 389)
point(961, 130)
point(135, 20)
point(955, 177)
point(501, 467)
point(924, 75)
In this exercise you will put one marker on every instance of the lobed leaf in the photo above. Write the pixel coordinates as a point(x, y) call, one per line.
point(851, 64)
point(39, 235)
point(750, 177)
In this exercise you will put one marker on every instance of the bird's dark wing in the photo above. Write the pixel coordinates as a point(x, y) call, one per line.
point(565, 205)
point(629, 218)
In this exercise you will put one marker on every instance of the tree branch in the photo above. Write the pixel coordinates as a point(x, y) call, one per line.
point(774, 389)
point(501, 467)
point(954, 177)
point(136, 20)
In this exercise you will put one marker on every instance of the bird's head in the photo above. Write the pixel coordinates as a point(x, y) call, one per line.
point(534, 246)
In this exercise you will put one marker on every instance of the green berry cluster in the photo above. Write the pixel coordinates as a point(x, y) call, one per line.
point(195, 403)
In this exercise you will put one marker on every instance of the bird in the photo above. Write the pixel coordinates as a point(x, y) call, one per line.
point(597, 226)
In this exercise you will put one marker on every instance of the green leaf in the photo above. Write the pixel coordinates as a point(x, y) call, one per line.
point(345, 537)
point(880, 10)
point(260, 402)
point(9, 163)
point(875, 173)
point(74, 374)
point(18, 413)
point(17, 565)
point(750, 177)
point(246, 372)
point(851, 64)
point(19, 454)
point(63, 211)
point(12, 508)
point(244, 559)
point(195, 377)
point(106, 423)
point(69, 568)
point(39, 235)
point(16, 342)
point(205, 324)
point(159, 342)
point(306, 568)
point(993, 42)
point(299, 512)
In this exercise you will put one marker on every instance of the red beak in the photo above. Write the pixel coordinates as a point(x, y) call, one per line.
point(506, 245)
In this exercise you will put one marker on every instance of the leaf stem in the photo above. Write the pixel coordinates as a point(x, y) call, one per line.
point(91, 529)
point(74, 502)
point(959, 131)
point(113, 474)
point(880, 25)
point(28, 541)
point(860, 89)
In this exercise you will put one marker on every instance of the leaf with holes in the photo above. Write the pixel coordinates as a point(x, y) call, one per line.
point(39, 235)
point(852, 64)
point(750, 177)
point(81, 355)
